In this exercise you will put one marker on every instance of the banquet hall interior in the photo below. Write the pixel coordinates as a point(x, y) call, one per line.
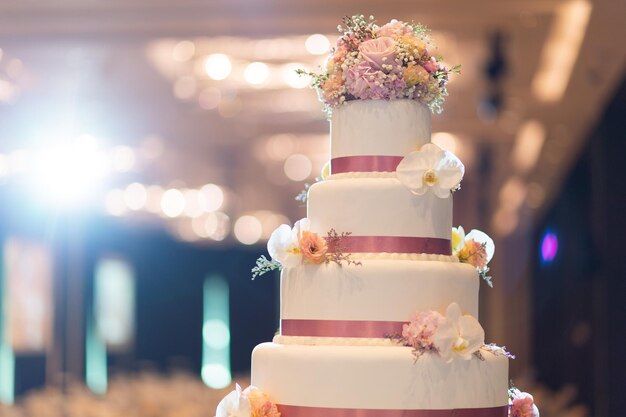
point(148, 149)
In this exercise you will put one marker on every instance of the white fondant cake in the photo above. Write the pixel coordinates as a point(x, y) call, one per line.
point(336, 347)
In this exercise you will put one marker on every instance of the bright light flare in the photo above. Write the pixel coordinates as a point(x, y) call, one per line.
point(68, 175)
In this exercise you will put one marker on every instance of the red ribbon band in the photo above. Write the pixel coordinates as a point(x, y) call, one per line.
point(393, 244)
point(364, 163)
point(300, 411)
point(340, 328)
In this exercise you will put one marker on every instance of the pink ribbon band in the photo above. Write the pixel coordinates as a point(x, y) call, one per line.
point(393, 244)
point(364, 163)
point(340, 328)
point(300, 411)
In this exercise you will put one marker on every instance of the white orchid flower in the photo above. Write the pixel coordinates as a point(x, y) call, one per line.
point(431, 168)
point(283, 245)
point(235, 404)
point(458, 335)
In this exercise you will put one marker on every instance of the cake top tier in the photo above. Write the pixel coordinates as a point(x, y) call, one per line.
point(374, 127)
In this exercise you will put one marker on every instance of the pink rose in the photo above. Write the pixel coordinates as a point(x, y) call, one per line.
point(394, 28)
point(430, 66)
point(379, 52)
point(524, 406)
point(313, 247)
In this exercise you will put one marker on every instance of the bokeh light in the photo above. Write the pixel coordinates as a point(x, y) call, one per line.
point(298, 167)
point(217, 66)
point(256, 73)
point(173, 203)
point(549, 247)
point(135, 196)
point(248, 229)
point(317, 44)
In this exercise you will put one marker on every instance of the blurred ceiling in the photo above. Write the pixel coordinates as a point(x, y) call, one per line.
point(535, 78)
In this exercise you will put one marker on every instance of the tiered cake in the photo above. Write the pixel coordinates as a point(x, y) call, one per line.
point(332, 353)
point(379, 293)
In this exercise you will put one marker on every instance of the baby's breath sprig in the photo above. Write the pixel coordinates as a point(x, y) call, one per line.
point(264, 265)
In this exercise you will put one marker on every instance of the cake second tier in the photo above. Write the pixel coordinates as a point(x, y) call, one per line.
point(382, 215)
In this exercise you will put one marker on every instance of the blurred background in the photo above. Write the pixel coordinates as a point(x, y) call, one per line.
point(149, 148)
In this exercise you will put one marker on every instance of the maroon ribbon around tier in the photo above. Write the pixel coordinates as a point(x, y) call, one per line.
point(301, 411)
point(393, 244)
point(364, 163)
point(340, 328)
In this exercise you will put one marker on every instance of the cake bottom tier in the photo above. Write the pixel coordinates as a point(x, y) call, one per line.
point(346, 381)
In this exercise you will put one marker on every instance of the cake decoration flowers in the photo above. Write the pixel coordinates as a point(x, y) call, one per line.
point(289, 247)
point(521, 404)
point(476, 248)
point(251, 402)
point(419, 331)
point(458, 335)
point(372, 62)
point(431, 168)
point(455, 335)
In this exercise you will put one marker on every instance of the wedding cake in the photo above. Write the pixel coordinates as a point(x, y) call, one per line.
point(379, 293)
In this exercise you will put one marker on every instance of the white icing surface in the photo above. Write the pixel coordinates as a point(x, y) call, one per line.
point(377, 207)
point(377, 127)
point(377, 290)
point(376, 377)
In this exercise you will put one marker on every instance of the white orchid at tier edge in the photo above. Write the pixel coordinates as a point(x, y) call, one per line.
point(455, 335)
point(289, 247)
point(431, 168)
point(476, 248)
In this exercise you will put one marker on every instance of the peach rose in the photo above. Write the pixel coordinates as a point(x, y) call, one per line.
point(260, 403)
point(313, 247)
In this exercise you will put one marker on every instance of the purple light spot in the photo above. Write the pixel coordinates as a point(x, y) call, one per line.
point(549, 247)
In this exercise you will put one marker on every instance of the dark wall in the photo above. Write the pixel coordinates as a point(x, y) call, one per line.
point(580, 298)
